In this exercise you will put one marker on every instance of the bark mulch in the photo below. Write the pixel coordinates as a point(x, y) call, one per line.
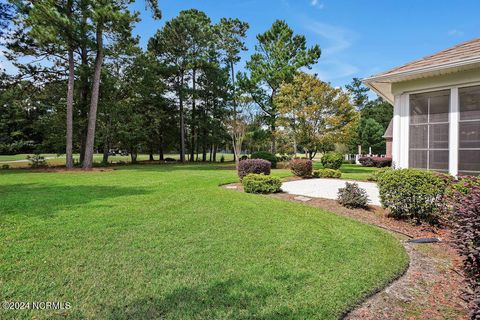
point(432, 286)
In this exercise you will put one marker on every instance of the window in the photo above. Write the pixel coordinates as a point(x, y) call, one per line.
point(429, 130)
point(469, 131)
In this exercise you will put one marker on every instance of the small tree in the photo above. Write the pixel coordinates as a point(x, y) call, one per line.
point(237, 125)
point(318, 113)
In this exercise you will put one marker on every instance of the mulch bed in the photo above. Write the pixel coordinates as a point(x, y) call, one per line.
point(433, 285)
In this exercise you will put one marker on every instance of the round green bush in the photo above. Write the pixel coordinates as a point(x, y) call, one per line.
point(327, 173)
point(259, 183)
point(332, 160)
point(412, 194)
point(265, 156)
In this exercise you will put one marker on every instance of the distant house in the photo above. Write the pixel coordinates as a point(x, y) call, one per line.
point(436, 118)
point(388, 136)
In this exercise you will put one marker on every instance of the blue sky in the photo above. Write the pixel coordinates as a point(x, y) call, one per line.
point(358, 37)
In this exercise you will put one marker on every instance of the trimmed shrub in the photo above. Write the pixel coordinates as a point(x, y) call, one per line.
point(253, 166)
point(366, 161)
point(301, 167)
point(37, 161)
point(5, 166)
point(378, 162)
point(169, 160)
point(265, 156)
point(244, 157)
point(332, 160)
point(352, 196)
point(412, 194)
point(327, 173)
point(467, 233)
point(259, 183)
point(222, 159)
point(377, 173)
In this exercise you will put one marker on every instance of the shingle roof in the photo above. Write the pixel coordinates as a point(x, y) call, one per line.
point(461, 52)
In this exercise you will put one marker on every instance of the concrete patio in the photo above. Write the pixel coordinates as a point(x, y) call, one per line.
point(328, 188)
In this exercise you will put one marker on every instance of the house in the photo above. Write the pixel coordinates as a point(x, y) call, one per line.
point(436, 117)
point(388, 136)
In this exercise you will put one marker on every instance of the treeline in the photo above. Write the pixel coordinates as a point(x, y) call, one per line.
point(84, 85)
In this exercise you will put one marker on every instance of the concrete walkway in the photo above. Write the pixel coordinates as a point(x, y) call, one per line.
point(328, 188)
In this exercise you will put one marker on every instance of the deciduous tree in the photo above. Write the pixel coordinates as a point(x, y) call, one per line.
point(319, 113)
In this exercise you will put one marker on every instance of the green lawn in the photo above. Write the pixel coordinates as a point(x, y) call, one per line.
point(166, 242)
point(352, 171)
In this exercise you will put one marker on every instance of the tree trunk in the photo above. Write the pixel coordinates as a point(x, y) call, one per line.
point(133, 155)
point(234, 99)
point(215, 153)
point(193, 138)
point(70, 91)
point(83, 105)
point(160, 148)
point(92, 116)
point(273, 139)
point(106, 150)
point(182, 122)
point(150, 155)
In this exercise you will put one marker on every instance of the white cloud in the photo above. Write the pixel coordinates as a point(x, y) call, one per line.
point(455, 33)
point(335, 42)
point(337, 39)
point(317, 4)
point(333, 69)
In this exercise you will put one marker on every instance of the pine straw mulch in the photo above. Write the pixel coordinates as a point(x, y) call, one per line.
point(433, 285)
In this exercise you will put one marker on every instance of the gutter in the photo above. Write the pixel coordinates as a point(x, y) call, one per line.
point(391, 76)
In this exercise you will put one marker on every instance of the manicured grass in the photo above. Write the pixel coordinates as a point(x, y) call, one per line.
point(164, 241)
point(351, 171)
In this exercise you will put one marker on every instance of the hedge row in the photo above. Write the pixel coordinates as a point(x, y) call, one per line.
point(378, 162)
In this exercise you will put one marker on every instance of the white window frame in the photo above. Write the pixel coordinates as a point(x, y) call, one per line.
point(458, 127)
point(428, 124)
point(401, 124)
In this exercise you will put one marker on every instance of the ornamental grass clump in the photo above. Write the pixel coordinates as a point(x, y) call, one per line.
point(253, 166)
point(352, 196)
point(412, 194)
point(301, 167)
point(259, 183)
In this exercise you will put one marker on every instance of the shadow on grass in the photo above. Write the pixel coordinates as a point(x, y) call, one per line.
point(232, 299)
point(169, 167)
point(44, 200)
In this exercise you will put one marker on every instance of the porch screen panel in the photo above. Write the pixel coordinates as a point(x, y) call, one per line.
point(429, 130)
point(469, 131)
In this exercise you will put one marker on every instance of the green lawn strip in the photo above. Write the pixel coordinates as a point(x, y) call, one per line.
point(351, 171)
point(164, 241)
